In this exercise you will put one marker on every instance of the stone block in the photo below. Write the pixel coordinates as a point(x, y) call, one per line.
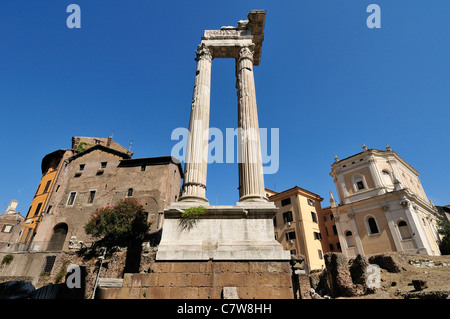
point(258, 266)
point(224, 266)
point(285, 280)
point(226, 279)
point(229, 293)
point(200, 280)
point(242, 267)
point(274, 267)
point(127, 280)
point(245, 292)
point(136, 280)
point(149, 280)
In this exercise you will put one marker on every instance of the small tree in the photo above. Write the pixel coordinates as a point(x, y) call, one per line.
point(444, 230)
point(120, 224)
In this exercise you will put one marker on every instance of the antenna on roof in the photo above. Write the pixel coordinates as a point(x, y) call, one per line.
point(112, 134)
point(131, 143)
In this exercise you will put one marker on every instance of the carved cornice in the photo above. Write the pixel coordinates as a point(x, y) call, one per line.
point(225, 33)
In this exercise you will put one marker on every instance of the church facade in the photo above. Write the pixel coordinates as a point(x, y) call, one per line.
point(383, 206)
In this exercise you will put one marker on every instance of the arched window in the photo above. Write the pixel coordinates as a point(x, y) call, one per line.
point(373, 227)
point(130, 192)
point(349, 238)
point(404, 230)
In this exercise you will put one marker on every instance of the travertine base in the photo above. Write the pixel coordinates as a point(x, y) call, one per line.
point(206, 280)
point(241, 232)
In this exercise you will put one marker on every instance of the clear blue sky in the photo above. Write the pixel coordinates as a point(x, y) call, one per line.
point(326, 80)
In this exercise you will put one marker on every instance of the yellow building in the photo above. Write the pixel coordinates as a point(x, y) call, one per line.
point(296, 224)
point(383, 206)
point(328, 229)
point(50, 166)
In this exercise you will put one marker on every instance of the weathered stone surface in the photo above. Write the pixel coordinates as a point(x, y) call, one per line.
point(255, 279)
point(339, 277)
point(386, 262)
point(358, 270)
point(419, 284)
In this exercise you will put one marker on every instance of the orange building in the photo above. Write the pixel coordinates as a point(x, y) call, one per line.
point(50, 166)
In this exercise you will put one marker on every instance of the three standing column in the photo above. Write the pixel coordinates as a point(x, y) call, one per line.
point(194, 186)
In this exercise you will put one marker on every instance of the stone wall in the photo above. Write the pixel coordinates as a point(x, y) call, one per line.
point(206, 280)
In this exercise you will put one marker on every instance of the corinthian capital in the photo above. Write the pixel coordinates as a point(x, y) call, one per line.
point(246, 52)
point(203, 52)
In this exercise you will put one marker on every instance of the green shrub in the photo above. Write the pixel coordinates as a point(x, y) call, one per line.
point(7, 259)
point(444, 230)
point(118, 224)
point(190, 217)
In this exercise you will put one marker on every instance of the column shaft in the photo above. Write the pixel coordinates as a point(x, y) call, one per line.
point(251, 178)
point(194, 186)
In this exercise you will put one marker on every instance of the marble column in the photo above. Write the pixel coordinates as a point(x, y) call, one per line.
point(251, 178)
point(194, 186)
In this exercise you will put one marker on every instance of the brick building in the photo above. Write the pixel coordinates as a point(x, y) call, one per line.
point(95, 173)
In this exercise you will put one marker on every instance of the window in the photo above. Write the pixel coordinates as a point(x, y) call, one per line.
point(310, 202)
point(320, 253)
point(373, 228)
point(314, 217)
point(358, 182)
point(331, 247)
point(334, 230)
point(37, 209)
point(71, 198)
point(82, 167)
point(91, 197)
point(331, 216)
point(143, 168)
point(37, 190)
point(325, 218)
point(339, 246)
point(275, 221)
point(293, 252)
point(47, 186)
point(290, 235)
point(285, 201)
point(287, 217)
point(386, 177)
point(49, 262)
point(130, 192)
point(404, 230)
point(103, 164)
point(96, 142)
point(317, 235)
point(349, 239)
point(57, 188)
point(7, 228)
point(49, 209)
